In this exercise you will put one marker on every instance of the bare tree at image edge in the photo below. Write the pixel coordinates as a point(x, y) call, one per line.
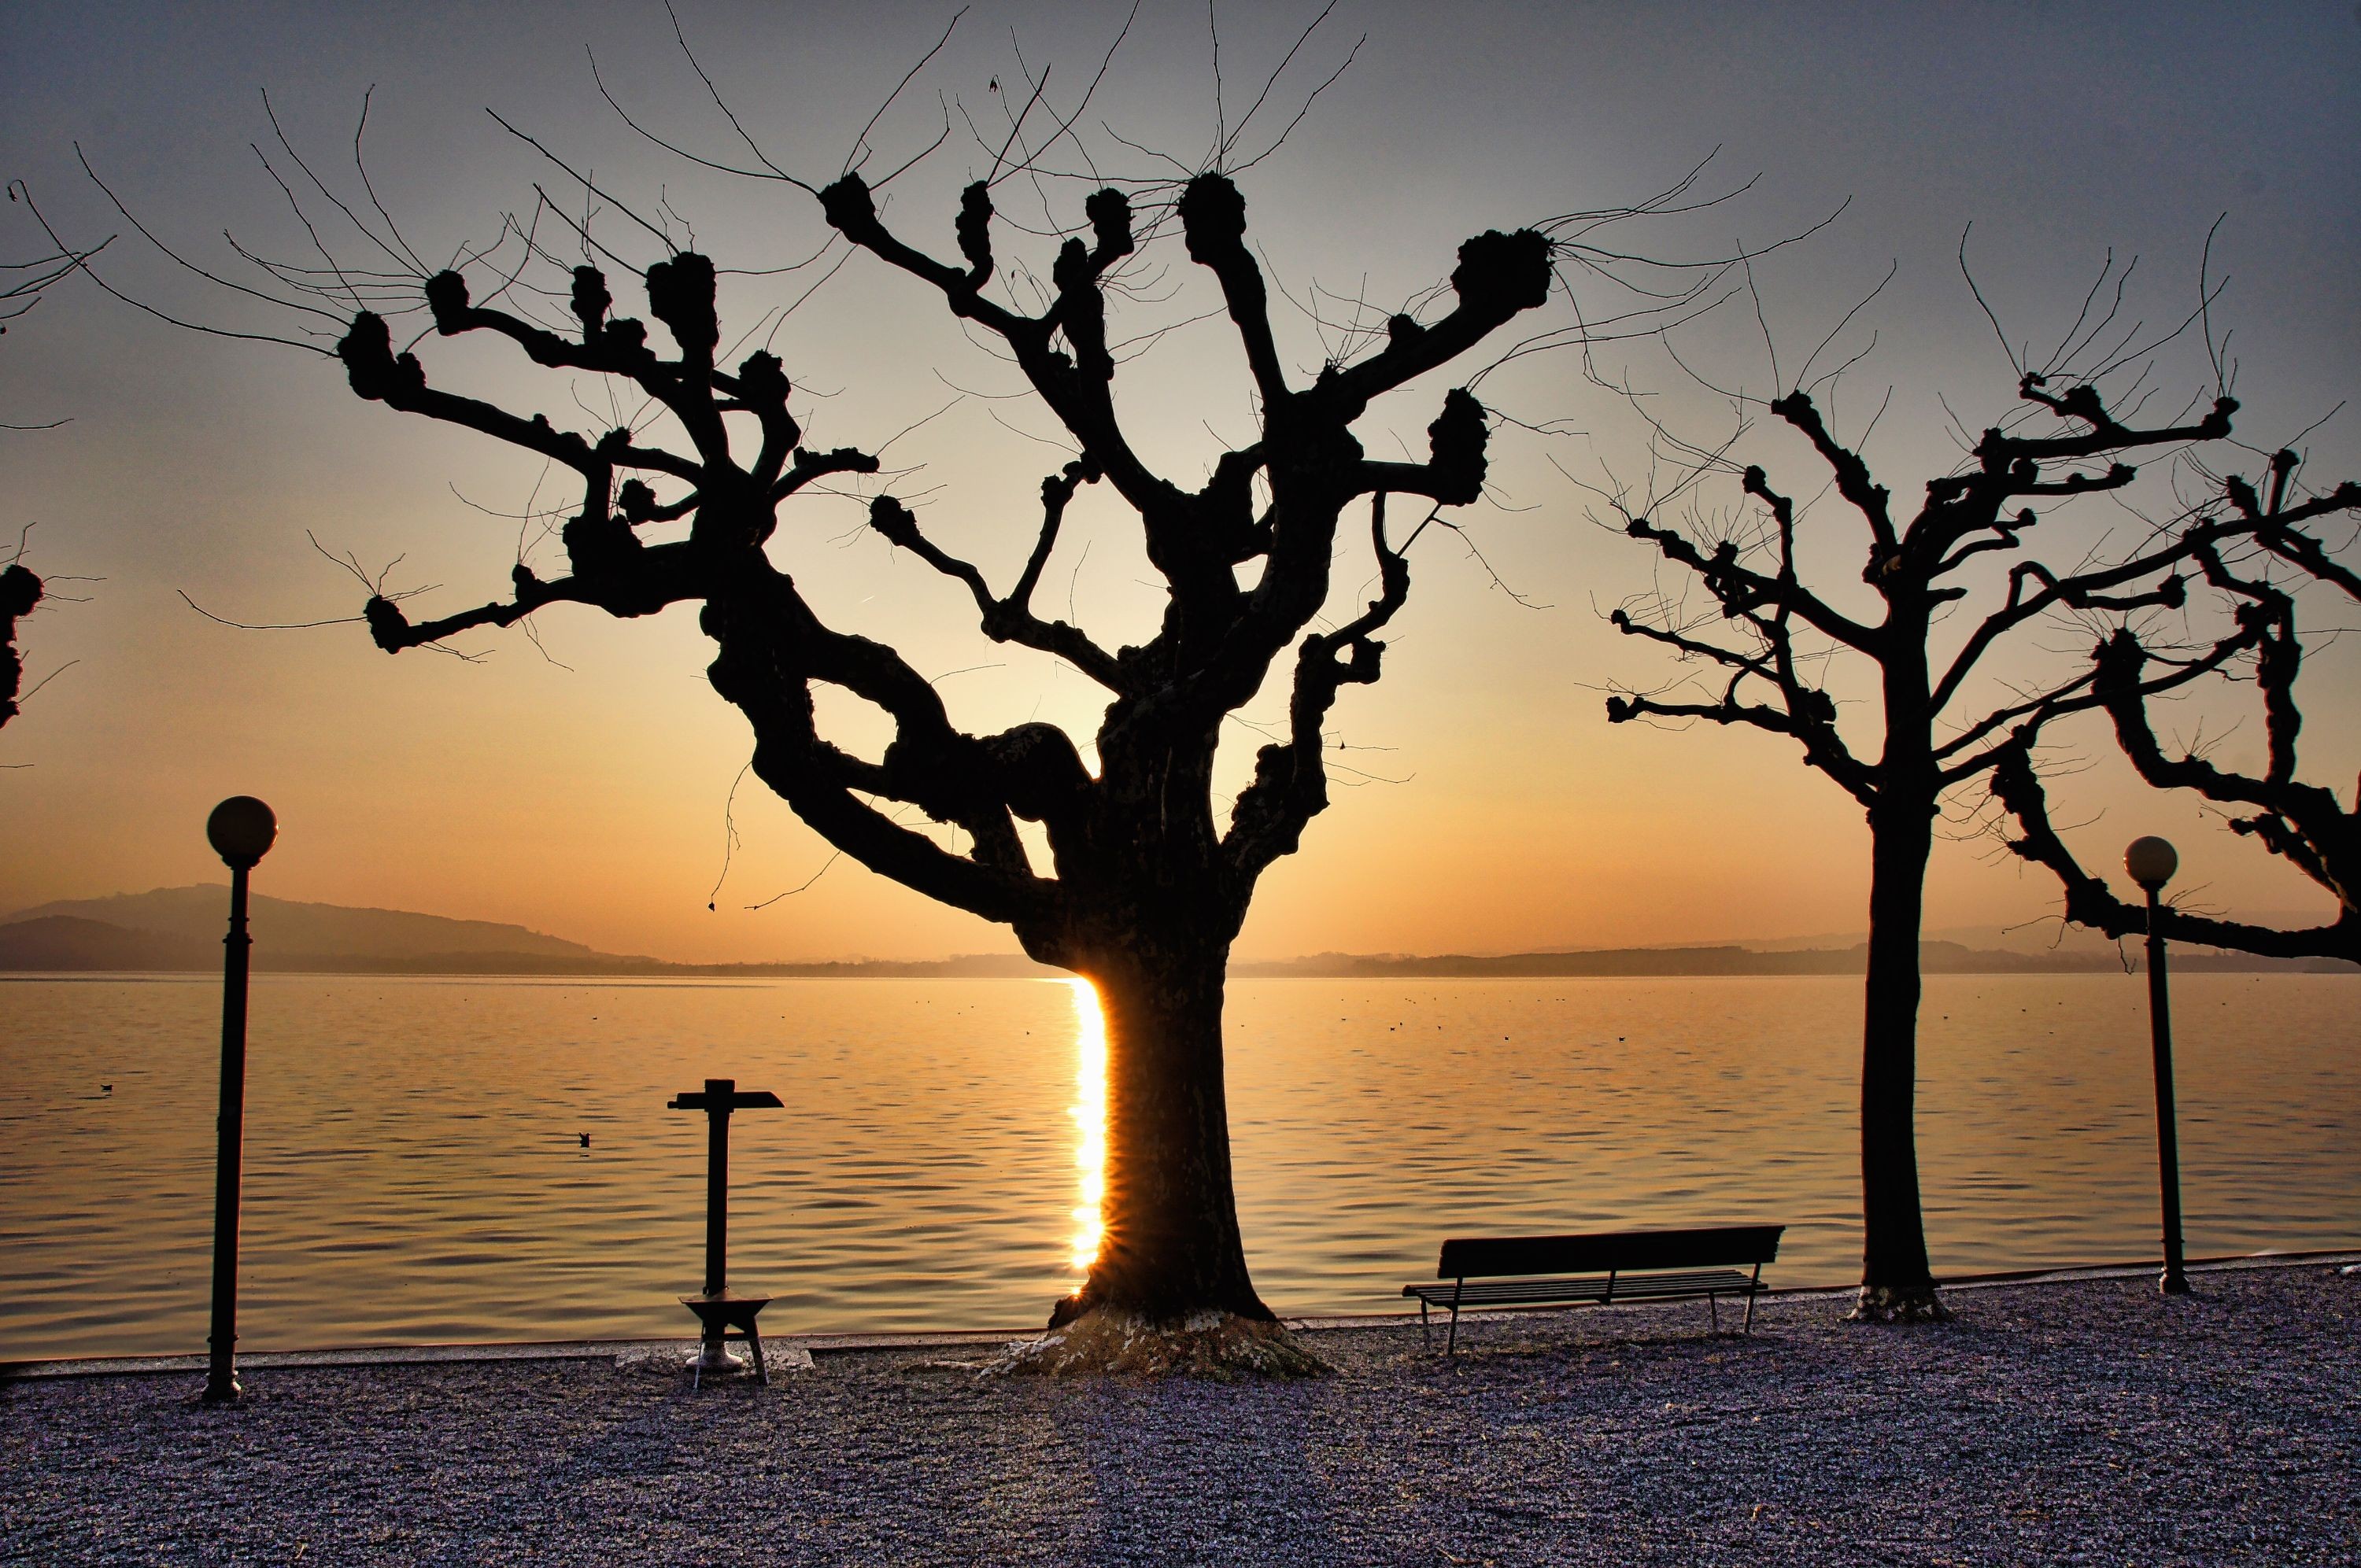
point(1767, 633)
point(20, 591)
point(21, 588)
point(2305, 824)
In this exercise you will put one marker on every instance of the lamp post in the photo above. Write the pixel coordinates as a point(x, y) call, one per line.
point(2151, 863)
point(718, 1307)
point(241, 830)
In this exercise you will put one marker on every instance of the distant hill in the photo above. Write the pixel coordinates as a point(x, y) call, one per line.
point(70, 942)
point(179, 928)
point(286, 929)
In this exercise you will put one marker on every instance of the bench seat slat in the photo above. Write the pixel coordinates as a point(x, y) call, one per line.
point(1486, 1292)
point(1641, 1251)
point(1628, 1286)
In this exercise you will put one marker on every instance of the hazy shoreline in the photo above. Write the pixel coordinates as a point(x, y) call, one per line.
point(30, 949)
point(179, 930)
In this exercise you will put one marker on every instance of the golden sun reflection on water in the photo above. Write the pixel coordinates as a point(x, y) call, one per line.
point(1088, 1113)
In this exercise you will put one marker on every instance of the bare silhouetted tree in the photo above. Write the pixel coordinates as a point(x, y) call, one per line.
point(1146, 886)
point(2303, 823)
point(1769, 636)
point(1150, 888)
point(20, 590)
point(22, 284)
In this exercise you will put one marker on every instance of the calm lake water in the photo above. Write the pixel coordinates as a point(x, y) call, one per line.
point(414, 1169)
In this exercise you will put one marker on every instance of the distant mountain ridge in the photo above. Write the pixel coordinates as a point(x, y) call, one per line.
point(287, 928)
point(180, 928)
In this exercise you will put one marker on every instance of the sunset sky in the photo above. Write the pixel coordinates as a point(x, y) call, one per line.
point(583, 793)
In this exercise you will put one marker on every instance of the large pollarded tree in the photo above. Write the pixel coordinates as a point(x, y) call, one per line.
point(2277, 554)
point(1147, 881)
point(1770, 640)
point(1148, 885)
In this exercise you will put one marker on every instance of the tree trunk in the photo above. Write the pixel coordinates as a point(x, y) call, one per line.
point(1169, 1246)
point(1896, 1284)
point(1168, 1291)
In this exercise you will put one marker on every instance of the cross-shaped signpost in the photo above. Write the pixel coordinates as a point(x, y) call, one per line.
point(718, 1307)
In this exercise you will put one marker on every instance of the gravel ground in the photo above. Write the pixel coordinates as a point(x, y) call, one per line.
point(2080, 1422)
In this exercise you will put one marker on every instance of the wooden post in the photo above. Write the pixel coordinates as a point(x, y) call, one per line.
point(719, 1097)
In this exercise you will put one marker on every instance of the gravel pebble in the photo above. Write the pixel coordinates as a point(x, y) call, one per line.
point(2089, 1421)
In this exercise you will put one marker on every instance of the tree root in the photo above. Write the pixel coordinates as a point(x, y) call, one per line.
point(1899, 1304)
point(1109, 1342)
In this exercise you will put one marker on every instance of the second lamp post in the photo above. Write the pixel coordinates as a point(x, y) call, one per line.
point(2151, 863)
point(241, 830)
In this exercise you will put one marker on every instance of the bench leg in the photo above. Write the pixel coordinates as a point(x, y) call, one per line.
point(1451, 1346)
point(1425, 1335)
point(1713, 1310)
point(1750, 1313)
point(1753, 1289)
point(754, 1344)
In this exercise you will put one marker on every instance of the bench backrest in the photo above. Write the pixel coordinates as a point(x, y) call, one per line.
point(1720, 1245)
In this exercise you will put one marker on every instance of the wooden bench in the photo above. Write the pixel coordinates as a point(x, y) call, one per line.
point(1628, 1265)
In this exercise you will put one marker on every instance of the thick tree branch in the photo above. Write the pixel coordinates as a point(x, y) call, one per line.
point(1961, 505)
point(2085, 590)
point(1498, 276)
point(1454, 473)
point(1314, 472)
point(1291, 780)
point(2304, 824)
point(2302, 550)
point(378, 375)
point(2078, 695)
point(1077, 395)
point(2090, 903)
point(774, 648)
point(1822, 747)
point(1214, 223)
point(2000, 452)
point(771, 648)
point(1738, 588)
point(1005, 620)
point(1867, 497)
point(812, 466)
point(2323, 821)
point(681, 295)
point(1759, 665)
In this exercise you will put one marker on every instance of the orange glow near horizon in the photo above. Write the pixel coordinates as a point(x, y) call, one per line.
point(1090, 1121)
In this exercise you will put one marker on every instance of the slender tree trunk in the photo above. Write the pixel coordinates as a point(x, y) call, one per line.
point(1895, 1280)
point(1895, 1283)
point(1169, 1249)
